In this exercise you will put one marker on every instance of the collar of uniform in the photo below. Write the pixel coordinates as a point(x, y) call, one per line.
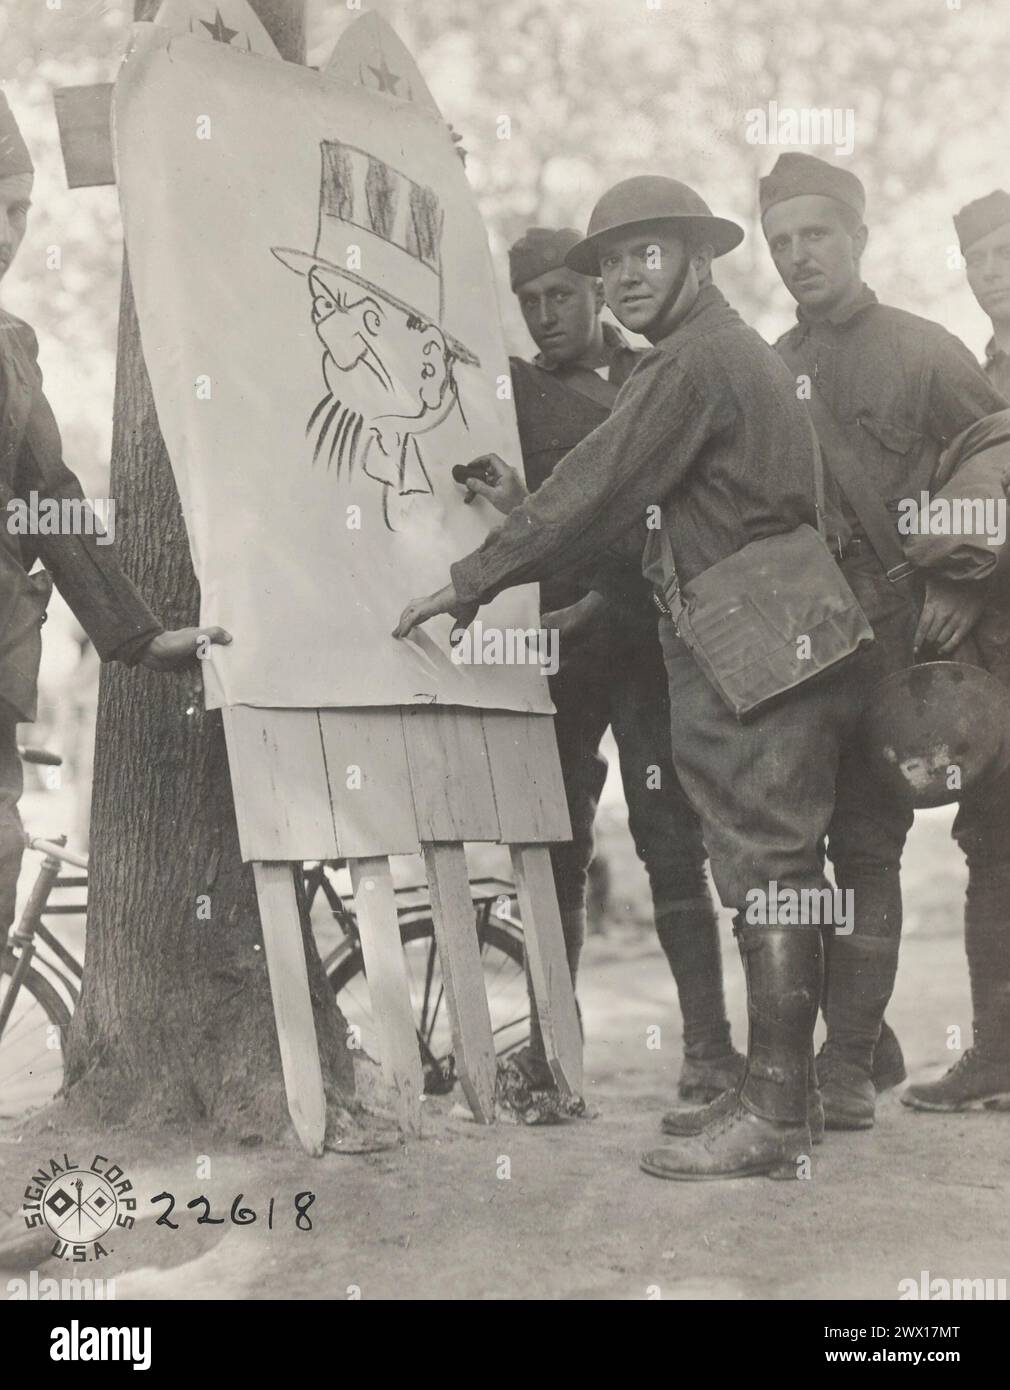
point(863, 300)
point(614, 344)
point(708, 297)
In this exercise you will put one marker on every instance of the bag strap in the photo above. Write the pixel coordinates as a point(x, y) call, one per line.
point(585, 384)
point(847, 469)
point(819, 485)
point(674, 601)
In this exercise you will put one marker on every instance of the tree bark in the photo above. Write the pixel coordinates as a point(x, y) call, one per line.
point(175, 1023)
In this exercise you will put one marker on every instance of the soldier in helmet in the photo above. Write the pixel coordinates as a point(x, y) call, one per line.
point(708, 435)
point(84, 566)
point(982, 828)
point(612, 666)
point(891, 389)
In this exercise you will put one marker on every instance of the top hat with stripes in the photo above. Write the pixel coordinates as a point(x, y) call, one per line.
point(395, 225)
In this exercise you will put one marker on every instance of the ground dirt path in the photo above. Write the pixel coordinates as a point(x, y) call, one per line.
point(520, 1213)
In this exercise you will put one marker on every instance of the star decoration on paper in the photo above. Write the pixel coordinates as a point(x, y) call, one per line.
point(219, 31)
point(384, 75)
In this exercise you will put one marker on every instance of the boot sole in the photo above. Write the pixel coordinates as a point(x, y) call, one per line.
point(998, 1101)
point(779, 1172)
point(840, 1122)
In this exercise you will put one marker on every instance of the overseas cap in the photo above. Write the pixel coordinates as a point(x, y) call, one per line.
point(651, 198)
point(799, 175)
point(539, 250)
point(981, 217)
point(14, 156)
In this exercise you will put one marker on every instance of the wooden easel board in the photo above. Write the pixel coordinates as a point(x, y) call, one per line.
point(328, 784)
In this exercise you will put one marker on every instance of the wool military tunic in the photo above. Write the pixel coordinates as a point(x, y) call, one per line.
point(997, 367)
point(613, 675)
point(556, 408)
point(88, 575)
point(901, 388)
point(707, 429)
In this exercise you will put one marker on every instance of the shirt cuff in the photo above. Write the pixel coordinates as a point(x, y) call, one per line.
point(467, 579)
point(132, 650)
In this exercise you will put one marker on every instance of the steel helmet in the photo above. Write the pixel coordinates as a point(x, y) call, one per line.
point(923, 722)
point(651, 198)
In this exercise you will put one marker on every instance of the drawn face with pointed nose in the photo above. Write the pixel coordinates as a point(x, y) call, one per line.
point(349, 325)
point(395, 354)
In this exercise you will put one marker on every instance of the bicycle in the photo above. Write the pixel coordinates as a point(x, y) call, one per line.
point(501, 943)
point(34, 1013)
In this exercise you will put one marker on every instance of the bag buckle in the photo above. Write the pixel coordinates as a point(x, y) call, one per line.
point(901, 571)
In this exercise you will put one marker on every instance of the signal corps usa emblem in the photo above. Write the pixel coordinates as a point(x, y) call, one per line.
point(82, 1207)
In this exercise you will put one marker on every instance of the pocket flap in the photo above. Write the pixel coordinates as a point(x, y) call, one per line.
point(895, 437)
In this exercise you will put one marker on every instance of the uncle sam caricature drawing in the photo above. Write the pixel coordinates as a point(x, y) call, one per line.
point(388, 366)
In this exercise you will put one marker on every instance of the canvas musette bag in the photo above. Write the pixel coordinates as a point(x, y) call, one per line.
point(746, 617)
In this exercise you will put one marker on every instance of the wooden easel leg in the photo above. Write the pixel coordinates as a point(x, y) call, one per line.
point(463, 975)
point(385, 969)
point(553, 995)
point(289, 985)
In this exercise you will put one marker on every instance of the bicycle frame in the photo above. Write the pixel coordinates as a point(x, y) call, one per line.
point(412, 902)
point(55, 855)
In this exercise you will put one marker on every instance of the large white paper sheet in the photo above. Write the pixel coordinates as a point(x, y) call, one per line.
point(318, 318)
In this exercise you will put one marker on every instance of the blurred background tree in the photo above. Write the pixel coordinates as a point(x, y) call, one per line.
point(591, 92)
point(602, 89)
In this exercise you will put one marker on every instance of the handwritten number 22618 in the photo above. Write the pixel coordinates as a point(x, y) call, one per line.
point(239, 1215)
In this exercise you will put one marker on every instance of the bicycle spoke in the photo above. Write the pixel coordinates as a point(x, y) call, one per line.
point(434, 1012)
point(32, 1071)
point(515, 1021)
point(428, 1058)
point(27, 1009)
point(505, 960)
point(428, 975)
point(19, 1027)
point(504, 983)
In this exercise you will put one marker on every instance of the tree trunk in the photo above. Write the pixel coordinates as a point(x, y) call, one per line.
point(175, 1023)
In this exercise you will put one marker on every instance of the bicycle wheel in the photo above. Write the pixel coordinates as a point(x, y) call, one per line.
point(504, 981)
point(31, 1048)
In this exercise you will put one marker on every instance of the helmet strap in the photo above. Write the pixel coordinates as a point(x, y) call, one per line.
point(675, 290)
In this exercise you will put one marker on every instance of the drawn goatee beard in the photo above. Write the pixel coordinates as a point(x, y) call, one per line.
point(337, 430)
